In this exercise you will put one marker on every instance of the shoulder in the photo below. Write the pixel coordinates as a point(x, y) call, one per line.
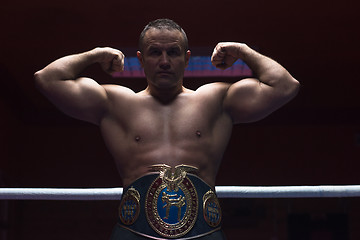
point(117, 89)
point(117, 92)
point(119, 98)
point(215, 90)
point(211, 96)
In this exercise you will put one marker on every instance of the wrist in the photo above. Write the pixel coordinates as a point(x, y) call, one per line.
point(94, 56)
point(243, 50)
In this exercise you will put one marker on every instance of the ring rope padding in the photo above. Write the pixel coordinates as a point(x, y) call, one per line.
point(322, 191)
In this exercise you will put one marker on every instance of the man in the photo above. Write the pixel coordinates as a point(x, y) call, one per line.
point(167, 140)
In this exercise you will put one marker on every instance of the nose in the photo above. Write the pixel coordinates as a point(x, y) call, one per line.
point(164, 61)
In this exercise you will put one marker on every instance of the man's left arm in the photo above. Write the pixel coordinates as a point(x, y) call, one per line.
point(252, 99)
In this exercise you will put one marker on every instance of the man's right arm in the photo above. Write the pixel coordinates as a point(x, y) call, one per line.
point(79, 97)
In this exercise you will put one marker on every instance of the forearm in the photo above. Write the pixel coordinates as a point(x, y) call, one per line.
point(264, 68)
point(67, 68)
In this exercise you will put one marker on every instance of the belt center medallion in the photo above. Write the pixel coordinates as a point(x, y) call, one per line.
point(171, 204)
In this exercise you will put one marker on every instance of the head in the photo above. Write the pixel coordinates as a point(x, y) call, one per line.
point(163, 24)
point(164, 55)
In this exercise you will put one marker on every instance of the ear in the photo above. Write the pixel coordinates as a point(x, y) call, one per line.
point(140, 58)
point(187, 57)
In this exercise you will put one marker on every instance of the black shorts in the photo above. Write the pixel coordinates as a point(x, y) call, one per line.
point(120, 233)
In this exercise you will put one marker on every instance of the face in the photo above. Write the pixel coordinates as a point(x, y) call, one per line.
point(163, 58)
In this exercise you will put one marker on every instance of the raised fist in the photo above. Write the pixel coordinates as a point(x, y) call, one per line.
point(110, 59)
point(225, 54)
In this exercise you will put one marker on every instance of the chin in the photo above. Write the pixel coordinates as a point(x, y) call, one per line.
point(166, 83)
point(166, 86)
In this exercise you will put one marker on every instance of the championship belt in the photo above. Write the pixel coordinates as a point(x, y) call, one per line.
point(173, 203)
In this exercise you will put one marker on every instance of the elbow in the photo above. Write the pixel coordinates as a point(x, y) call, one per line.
point(291, 89)
point(294, 87)
point(39, 79)
point(288, 85)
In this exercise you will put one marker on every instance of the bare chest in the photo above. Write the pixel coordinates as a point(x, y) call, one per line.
point(190, 130)
point(184, 120)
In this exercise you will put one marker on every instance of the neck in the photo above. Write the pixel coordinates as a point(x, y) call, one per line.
point(165, 95)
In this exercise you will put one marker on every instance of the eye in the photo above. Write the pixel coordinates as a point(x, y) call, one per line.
point(155, 52)
point(174, 52)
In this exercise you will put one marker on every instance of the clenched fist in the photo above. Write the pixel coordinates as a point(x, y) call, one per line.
point(225, 54)
point(110, 59)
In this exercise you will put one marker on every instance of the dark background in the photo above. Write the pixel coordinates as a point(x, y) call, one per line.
point(314, 140)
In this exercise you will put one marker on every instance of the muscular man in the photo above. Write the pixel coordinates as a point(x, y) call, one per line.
point(167, 140)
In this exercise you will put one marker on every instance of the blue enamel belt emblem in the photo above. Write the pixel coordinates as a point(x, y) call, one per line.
point(171, 204)
point(129, 206)
point(211, 209)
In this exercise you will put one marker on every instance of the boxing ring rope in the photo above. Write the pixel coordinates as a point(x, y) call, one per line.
point(324, 191)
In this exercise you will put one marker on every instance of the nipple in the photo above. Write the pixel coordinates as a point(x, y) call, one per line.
point(137, 138)
point(198, 133)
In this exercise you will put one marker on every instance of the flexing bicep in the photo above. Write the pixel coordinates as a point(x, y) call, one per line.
point(82, 98)
point(250, 100)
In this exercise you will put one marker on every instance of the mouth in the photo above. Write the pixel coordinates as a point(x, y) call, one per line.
point(164, 73)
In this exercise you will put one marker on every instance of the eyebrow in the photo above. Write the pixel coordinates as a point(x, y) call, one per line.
point(174, 47)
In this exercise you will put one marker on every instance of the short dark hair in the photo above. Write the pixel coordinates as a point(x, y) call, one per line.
point(163, 23)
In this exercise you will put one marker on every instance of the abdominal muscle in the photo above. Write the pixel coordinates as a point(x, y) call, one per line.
point(134, 161)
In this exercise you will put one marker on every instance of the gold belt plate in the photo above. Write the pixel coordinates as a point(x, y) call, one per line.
point(171, 204)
